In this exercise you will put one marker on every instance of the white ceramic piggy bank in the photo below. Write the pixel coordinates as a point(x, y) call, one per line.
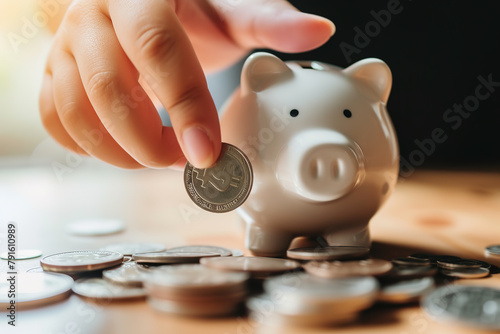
point(322, 146)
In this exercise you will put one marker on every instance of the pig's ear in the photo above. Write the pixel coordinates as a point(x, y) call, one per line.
point(375, 74)
point(262, 70)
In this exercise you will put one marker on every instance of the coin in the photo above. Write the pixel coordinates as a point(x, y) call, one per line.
point(79, 261)
point(127, 274)
point(266, 310)
point(22, 254)
point(458, 264)
point(336, 269)
point(130, 248)
point(328, 253)
point(466, 272)
point(254, 265)
point(406, 291)
point(35, 289)
point(312, 287)
point(305, 296)
point(98, 288)
point(476, 306)
point(493, 250)
point(408, 272)
point(91, 227)
point(408, 261)
point(172, 257)
point(483, 264)
point(237, 252)
point(423, 256)
point(224, 186)
point(193, 278)
point(434, 258)
point(201, 249)
point(193, 289)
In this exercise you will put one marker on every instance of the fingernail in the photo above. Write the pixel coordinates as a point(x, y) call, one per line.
point(325, 21)
point(199, 148)
point(331, 25)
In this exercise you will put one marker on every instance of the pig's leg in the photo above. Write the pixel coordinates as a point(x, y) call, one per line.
point(349, 237)
point(263, 241)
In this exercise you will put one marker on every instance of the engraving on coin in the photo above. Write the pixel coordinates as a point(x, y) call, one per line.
point(224, 186)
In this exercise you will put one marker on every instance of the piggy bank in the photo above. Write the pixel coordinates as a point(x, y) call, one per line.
point(322, 146)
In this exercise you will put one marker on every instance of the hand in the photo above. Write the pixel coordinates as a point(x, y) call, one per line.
point(106, 52)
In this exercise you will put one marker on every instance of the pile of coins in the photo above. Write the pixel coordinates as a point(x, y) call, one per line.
point(314, 286)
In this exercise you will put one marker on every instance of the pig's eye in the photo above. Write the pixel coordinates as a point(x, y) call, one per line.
point(347, 113)
point(294, 113)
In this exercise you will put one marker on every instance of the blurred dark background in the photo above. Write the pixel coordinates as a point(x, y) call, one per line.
point(436, 51)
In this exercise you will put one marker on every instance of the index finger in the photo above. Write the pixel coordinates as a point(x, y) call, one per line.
point(153, 38)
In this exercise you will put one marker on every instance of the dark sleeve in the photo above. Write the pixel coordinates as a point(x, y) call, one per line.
point(445, 59)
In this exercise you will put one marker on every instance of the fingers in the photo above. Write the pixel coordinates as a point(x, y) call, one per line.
point(155, 42)
point(50, 118)
point(111, 83)
point(274, 24)
point(78, 117)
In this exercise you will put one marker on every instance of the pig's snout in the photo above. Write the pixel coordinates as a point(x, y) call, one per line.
point(320, 165)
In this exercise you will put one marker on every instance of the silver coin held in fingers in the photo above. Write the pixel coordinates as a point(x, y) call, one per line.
point(224, 186)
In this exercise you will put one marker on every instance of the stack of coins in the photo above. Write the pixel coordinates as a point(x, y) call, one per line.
point(192, 289)
point(303, 299)
point(454, 266)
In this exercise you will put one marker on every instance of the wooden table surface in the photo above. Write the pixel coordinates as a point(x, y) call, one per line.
point(443, 212)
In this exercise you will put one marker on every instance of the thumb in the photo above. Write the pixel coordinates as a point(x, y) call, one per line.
point(273, 24)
